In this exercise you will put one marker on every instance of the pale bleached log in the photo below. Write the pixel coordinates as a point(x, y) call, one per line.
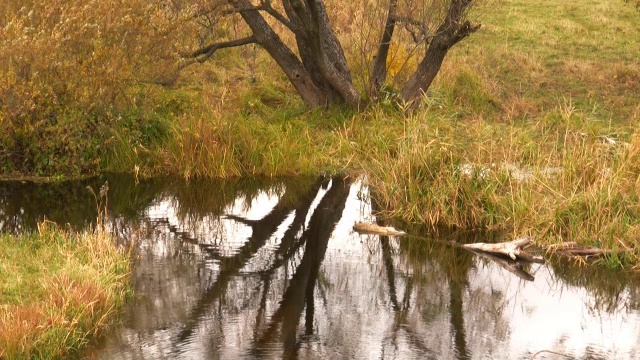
point(365, 228)
point(514, 249)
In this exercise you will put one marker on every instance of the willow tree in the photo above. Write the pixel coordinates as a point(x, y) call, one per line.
point(298, 35)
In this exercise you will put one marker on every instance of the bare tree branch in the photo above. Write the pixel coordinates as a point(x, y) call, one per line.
point(206, 52)
point(265, 5)
point(453, 29)
point(417, 29)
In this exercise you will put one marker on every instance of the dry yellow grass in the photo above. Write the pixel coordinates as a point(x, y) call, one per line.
point(58, 291)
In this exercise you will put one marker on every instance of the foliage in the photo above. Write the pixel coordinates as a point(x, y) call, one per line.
point(66, 71)
point(58, 290)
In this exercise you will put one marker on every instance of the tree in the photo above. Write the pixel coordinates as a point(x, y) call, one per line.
point(636, 2)
point(298, 35)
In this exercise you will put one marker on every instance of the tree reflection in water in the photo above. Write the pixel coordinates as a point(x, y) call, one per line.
point(256, 268)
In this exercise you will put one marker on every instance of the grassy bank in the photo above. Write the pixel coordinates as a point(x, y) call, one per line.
point(531, 127)
point(58, 290)
point(533, 130)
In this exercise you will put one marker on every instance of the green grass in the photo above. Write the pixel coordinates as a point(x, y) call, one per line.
point(58, 290)
point(533, 56)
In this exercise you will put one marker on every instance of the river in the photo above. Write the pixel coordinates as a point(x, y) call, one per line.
point(271, 268)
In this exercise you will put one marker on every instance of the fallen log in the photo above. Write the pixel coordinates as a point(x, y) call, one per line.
point(514, 249)
point(573, 249)
point(365, 228)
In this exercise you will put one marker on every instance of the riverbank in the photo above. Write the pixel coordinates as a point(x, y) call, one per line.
point(59, 290)
point(531, 128)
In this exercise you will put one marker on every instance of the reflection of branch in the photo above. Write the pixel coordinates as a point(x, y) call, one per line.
point(406, 301)
point(301, 287)
point(514, 267)
point(260, 315)
point(418, 342)
point(229, 266)
point(242, 220)
point(388, 266)
point(457, 319)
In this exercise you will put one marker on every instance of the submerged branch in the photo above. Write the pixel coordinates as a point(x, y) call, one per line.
point(572, 249)
point(365, 228)
point(509, 255)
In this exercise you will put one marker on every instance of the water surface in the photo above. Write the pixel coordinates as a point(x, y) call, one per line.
point(256, 268)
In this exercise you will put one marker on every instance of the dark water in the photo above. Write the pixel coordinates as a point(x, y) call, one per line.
point(257, 268)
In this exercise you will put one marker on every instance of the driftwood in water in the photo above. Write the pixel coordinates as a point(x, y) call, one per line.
point(514, 249)
point(573, 249)
point(510, 255)
point(365, 228)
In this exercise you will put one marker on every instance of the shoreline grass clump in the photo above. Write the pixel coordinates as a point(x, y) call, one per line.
point(562, 178)
point(58, 290)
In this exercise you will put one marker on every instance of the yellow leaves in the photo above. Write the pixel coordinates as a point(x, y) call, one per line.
point(80, 52)
point(402, 60)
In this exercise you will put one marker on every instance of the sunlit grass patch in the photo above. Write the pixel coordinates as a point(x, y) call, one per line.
point(566, 177)
point(58, 290)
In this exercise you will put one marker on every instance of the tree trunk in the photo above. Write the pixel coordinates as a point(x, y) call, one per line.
point(426, 72)
point(319, 71)
point(324, 48)
point(299, 77)
point(307, 57)
point(333, 60)
point(452, 31)
point(379, 70)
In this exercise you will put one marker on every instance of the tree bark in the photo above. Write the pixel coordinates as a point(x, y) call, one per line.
point(324, 48)
point(452, 31)
point(426, 72)
point(379, 70)
point(308, 59)
point(283, 56)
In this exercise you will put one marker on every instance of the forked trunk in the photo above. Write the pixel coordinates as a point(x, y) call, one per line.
point(320, 48)
point(426, 72)
point(295, 71)
point(319, 70)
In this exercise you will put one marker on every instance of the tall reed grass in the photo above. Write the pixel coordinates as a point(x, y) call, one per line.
point(59, 291)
